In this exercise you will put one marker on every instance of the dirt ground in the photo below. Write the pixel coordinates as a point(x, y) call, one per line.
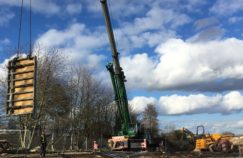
point(122, 154)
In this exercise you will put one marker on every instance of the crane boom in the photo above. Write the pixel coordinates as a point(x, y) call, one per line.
point(116, 64)
point(118, 79)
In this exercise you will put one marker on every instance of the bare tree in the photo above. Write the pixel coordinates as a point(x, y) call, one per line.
point(51, 100)
point(92, 113)
point(69, 104)
point(150, 121)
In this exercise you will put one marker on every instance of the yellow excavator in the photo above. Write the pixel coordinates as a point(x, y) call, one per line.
point(212, 142)
point(185, 140)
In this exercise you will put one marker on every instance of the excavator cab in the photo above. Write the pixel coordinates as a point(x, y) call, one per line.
point(202, 132)
point(203, 141)
point(132, 129)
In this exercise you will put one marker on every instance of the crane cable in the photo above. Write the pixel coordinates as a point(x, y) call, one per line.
point(20, 28)
point(30, 53)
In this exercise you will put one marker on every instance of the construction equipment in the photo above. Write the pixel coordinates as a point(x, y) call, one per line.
point(184, 140)
point(237, 143)
point(212, 142)
point(128, 137)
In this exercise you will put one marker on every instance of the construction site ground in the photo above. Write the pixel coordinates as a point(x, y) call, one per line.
point(123, 155)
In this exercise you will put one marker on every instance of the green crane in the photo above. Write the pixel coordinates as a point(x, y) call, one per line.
point(118, 81)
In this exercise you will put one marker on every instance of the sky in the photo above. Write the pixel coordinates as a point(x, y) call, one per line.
point(183, 56)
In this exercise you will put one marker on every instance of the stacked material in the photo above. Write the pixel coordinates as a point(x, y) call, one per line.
point(237, 142)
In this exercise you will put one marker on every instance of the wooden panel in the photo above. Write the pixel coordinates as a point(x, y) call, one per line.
point(21, 86)
point(24, 89)
point(25, 75)
point(23, 96)
point(25, 69)
point(23, 82)
point(24, 61)
point(22, 103)
point(23, 111)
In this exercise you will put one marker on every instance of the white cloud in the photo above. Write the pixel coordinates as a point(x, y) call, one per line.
point(139, 103)
point(77, 43)
point(120, 9)
point(235, 19)
point(128, 8)
point(6, 16)
point(192, 104)
point(139, 69)
point(74, 8)
point(213, 126)
point(211, 66)
point(156, 26)
point(226, 126)
point(195, 4)
point(3, 70)
point(43, 6)
point(205, 22)
point(5, 41)
point(211, 33)
point(3, 67)
point(223, 7)
point(143, 23)
point(153, 20)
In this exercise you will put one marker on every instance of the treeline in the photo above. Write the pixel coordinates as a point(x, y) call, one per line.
point(73, 107)
point(71, 103)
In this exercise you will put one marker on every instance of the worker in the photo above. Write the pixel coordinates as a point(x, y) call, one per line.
point(43, 144)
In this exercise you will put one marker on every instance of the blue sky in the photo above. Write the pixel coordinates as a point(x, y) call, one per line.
point(183, 56)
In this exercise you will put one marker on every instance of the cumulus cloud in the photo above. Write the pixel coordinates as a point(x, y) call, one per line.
point(192, 104)
point(128, 8)
point(139, 103)
point(135, 30)
point(222, 7)
point(151, 29)
point(3, 67)
point(78, 43)
point(120, 9)
point(205, 22)
point(202, 66)
point(43, 6)
point(153, 20)
point(47, 7)
point(211, 33)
